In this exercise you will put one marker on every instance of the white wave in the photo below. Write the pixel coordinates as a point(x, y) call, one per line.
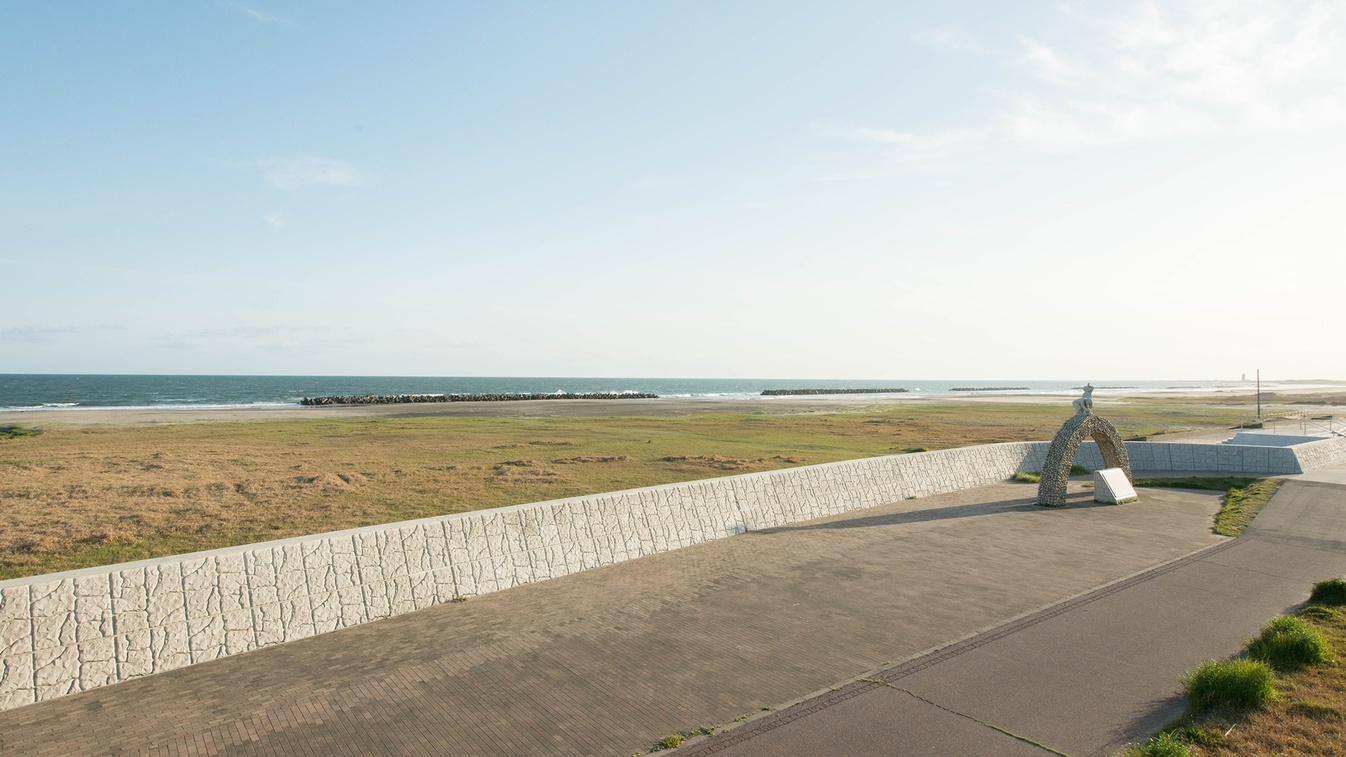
point(63, 406)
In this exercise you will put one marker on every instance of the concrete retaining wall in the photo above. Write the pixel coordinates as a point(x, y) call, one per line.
point(1323, 454)
point(1221, 458)
point(69, 632)
point(1236, 459)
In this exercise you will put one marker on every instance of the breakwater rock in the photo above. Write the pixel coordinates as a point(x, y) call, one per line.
point(988, 388)
point(401, 399)
point(798, 392)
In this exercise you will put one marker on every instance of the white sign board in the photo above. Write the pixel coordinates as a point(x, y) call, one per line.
point(1112, 486)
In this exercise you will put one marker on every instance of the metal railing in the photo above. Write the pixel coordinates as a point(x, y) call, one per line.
point(1308, 422)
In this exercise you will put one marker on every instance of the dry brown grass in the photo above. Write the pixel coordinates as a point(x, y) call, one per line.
point(89, 496)
point(1309, 717)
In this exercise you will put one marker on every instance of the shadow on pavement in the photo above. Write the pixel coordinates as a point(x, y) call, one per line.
point(940, 513)
point(1150, 720)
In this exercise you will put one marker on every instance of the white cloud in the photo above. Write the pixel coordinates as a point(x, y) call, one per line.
point(262, 16)
point(1048, 62)
point(1160, 71)
point(300, 172)
point(277, 220)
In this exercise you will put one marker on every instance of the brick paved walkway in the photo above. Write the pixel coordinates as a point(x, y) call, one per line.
point(605, 662)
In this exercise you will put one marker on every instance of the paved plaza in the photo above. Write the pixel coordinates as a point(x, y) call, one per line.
point(606, 661)
point(1081, 678)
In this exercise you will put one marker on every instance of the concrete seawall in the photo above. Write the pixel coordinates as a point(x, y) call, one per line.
point(68, 632)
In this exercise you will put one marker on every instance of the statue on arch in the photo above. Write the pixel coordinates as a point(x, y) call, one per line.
point(1085, 404)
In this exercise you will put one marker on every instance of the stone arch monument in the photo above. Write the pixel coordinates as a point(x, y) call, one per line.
point(1060, 456)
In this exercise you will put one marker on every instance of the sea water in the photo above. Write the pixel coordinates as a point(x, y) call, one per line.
point(39, 391)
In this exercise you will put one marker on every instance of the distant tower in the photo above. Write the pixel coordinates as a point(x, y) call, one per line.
point(1244, 377)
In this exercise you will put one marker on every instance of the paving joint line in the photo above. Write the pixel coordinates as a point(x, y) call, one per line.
point(801, 708)
point(978, 721)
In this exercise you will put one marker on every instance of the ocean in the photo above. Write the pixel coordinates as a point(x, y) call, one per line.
point(38, 391)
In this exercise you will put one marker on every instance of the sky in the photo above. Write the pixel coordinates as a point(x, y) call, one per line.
point(763, 189)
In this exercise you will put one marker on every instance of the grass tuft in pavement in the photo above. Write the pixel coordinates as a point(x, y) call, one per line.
point(1232, 685)
point(671, 741)
point(1028, 478)
point(1329, 592)
point(1290, 643)
point(675, 740)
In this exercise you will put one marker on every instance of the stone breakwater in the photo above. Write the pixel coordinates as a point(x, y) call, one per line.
point(801, 392)
point(400, 399)
point(68, 632)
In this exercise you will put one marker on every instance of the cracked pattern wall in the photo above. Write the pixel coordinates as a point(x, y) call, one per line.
point(69, 632)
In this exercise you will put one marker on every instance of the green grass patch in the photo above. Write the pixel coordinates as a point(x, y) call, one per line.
point(1244, 498)
point(1025, 477)
point(1191, 733)
point(1318, 612)
point(1213, 483)
point(1161, 745)
point(1242, 504)
point(1290, 643)
point(14, 432)
point(1229, 685)
point(675, 740)
point(1329, 592)
point(671, 741)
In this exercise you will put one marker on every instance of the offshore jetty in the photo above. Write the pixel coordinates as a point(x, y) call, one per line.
point(797, 392)
point(400, 399)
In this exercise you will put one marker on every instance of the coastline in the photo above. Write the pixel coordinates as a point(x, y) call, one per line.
point(594, 408)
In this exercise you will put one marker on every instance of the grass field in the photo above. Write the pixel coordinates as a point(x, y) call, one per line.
point(76, 497)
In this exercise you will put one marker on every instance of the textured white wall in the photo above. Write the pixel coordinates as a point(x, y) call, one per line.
point(69, 632)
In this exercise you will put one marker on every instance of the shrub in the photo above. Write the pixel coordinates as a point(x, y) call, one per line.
point(1237, 684)
point(1290, 643)
point(1163, 745)
point(671, 741)
point(1329, 592)
point(1079, 470)
point(1027, 478)
point(13, 432)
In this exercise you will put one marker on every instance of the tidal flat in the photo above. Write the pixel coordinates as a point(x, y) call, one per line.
point(92, 491)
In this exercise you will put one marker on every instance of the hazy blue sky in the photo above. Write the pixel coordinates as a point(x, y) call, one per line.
point(768, 189)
